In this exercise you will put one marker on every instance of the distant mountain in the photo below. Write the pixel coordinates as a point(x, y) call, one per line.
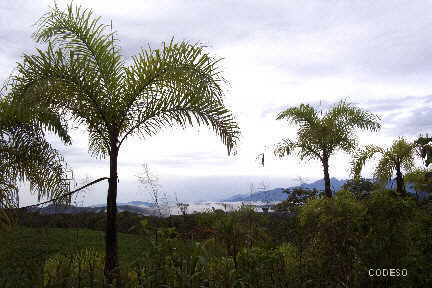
point(51, 209)
point(270, 195)
point(131, 203)
point(147, 209)
point(335, 184)
point(278, 194)
point(138, 203)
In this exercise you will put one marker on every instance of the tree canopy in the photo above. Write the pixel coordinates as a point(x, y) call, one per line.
point(319, 136)
point(400, 156)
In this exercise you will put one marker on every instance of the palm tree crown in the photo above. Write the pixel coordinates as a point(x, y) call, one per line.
point(400, 156)
point(318, 136)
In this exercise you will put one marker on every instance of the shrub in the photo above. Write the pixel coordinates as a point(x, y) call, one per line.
point(82, 269)
point(332, 229)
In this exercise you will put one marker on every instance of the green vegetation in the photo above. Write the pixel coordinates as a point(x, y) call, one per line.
point(329, 241)
point(25, 251)
point(399, 156)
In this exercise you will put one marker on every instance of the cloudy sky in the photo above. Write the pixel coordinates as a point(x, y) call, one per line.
point(376, 54)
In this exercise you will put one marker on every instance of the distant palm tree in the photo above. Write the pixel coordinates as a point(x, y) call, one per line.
point(425, 147)
point(400, 156)
point(82, 73)
point(319, 136)
point(26, 155)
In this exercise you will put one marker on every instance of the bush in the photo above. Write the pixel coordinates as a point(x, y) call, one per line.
point(386, 240)
point(332, 229)
point(297, 197)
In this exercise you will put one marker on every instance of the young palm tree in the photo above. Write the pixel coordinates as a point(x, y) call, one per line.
point(82, 73)
point(26, 155)
point(319, 136)
point(400, 156)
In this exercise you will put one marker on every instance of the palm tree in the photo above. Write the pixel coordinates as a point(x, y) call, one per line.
point(319, 136)
point(400, 156)
point(26, 155)
point(82, 73)
point(425, 148)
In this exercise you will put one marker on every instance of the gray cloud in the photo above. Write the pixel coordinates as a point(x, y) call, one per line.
point(404, 116)
point(314, 37)
point(392, 104)
point(417, 122)
point(290, 48)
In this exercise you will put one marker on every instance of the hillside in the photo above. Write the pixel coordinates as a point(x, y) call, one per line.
point(134, 207)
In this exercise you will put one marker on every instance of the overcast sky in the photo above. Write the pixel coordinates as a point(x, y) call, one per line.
point(376, 54)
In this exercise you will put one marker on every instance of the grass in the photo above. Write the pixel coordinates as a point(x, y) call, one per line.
point(24, 251)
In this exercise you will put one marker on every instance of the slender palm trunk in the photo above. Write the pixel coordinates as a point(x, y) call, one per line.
point(112, 272)
point(327, 187)
point(400, 186)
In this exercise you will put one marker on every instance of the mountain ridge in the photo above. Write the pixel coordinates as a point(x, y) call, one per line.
point(277, 194)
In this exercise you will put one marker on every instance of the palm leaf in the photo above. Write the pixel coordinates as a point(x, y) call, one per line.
point(360, 158)
point(179, 84)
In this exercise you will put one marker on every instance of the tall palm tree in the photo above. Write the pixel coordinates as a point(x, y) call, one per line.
point(82, 73)
point(26, 155)
point(400, 156)
point(319, 136)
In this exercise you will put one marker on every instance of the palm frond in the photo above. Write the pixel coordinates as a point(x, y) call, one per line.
point(341, 120)
point(25, 154)
point(404, 153)
point(303, 115)
point(13, 112)
point(178, 84)
point(360, 158)
point(284, 148)
point(384, 170)
point(77, 30)
point(62, 82)
point(424, 148)
point(347, 116)
point(186, 110)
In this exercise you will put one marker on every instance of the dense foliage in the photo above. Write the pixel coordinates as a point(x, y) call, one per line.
point(325, 243)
